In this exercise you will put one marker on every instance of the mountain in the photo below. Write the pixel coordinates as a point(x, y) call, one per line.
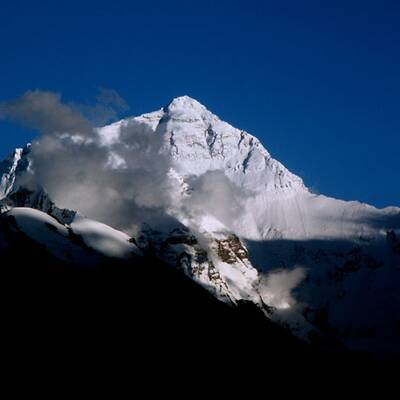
point(242, 226)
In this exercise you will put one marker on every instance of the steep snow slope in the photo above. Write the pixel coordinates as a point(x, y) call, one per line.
point(104, 239)
point(199, 141)
point(8, 170)
point(277, 203)
point(82, 243)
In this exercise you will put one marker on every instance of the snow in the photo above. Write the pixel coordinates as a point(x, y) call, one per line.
point(104, 239)
point(8, 177)
point(45, 230)
point(282, 221)
point(277, 204)
point(342, 246)
point(34, 222)
point(56, 237)
point(241, 279)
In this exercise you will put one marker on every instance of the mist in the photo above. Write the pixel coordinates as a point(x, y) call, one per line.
point(214, 193)
point(277, 286)
point(116, 184)
point(45, 112)
point(121, 182)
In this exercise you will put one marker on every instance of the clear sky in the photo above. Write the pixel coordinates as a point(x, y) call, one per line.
point(318, 82)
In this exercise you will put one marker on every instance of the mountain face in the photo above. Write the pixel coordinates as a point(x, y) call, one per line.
point(325, 269)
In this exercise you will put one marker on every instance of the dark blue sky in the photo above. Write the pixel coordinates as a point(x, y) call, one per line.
point(318, 82)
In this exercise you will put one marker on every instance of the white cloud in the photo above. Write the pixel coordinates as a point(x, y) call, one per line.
point(277, 286)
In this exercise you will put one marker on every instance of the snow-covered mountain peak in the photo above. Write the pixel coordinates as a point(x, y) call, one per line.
point(185, 102)
point(323, 263)
point(186, 109)
point(199, 141)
